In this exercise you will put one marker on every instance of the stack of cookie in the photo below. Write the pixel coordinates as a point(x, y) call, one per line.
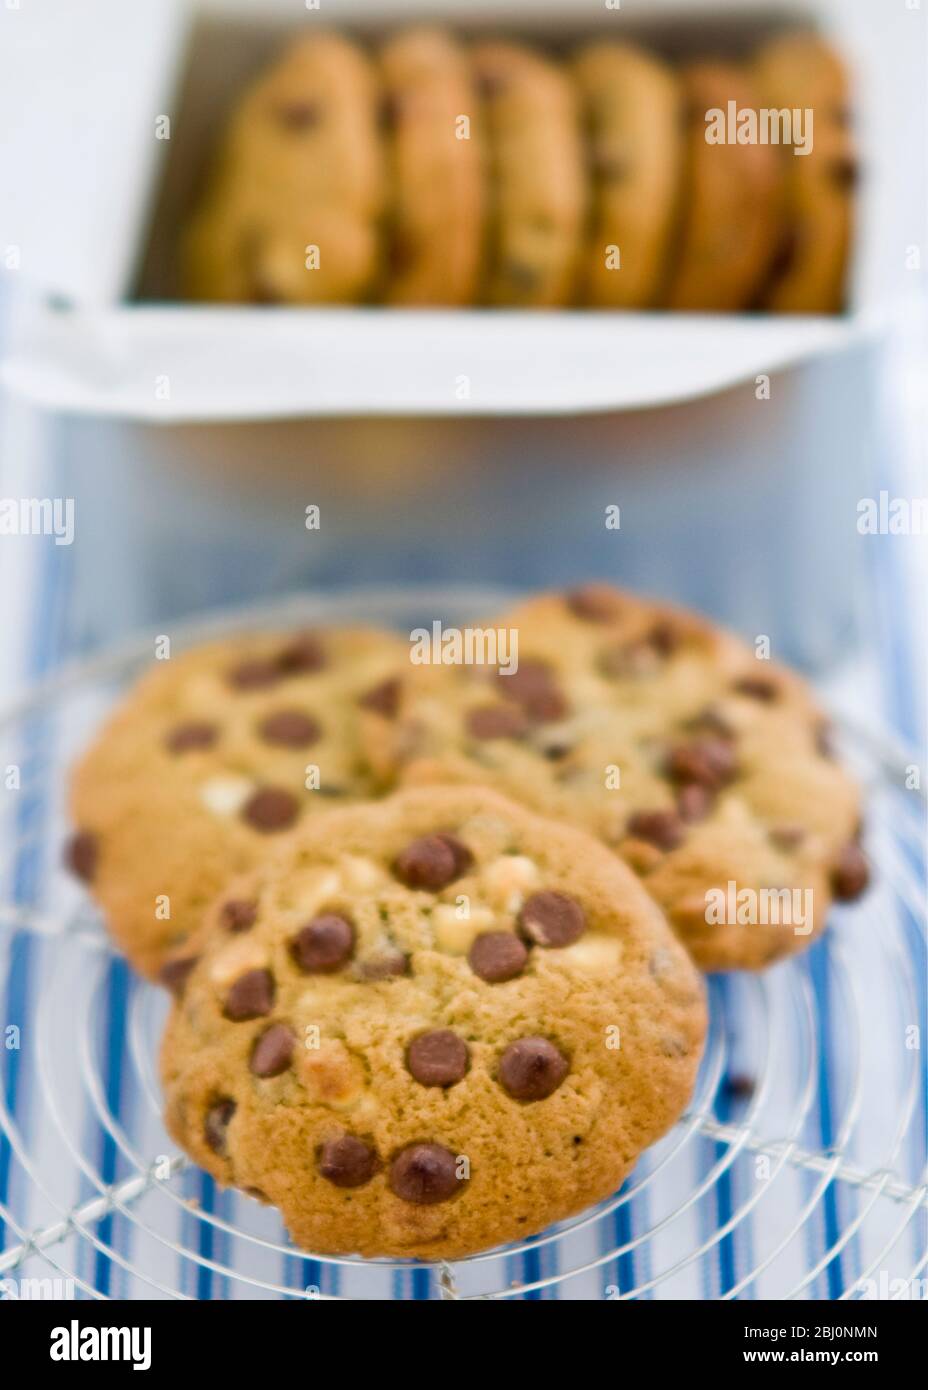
point(426, 924)
point(433, 173)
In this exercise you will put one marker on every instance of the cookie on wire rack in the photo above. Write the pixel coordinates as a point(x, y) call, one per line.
point(430, 1025)
point(709, 771)
point(215, 754)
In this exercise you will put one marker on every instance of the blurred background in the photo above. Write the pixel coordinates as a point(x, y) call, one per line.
point(744, 506)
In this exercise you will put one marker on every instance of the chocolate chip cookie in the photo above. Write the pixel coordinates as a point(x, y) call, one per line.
point(431, 1025)
point(732, 199)
point(799, 71)
point(293, 213)
point(706, 769)
point(537, 177)
point(435, 143)
point(216, 753)
point(631, 107)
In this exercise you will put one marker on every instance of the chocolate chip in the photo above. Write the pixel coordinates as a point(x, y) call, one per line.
point(251, 996)
point(297, 116)
point(432, 862)
point(528, 679)
point(552, 919)
point(383, 698)
point(81, 853)
point(174, 973)
point(850, 874)
point(554, 752)
point(763, 688)
point(238, 914)
point(533, 686)
point(497, 721)
point(424, 1174)
point(787, 836)
point(641, 657)
point(304, 654)
point(664, 637)
point(384, 966)
point(664, 829)
point(710, 762)
point(290, 728)
point(438, 1058)
point(348, 1161)
point(694, 802)
point(532, 1069)
point(462, 855)
point(270, 809)
point(216, 1125)
point(594, 603)
point(547, 707)
point(256, 673)
point(496, 956)
point(324, 944)
point(272, 1051)
point(196, 734)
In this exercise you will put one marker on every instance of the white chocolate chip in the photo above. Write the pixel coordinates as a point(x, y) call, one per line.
point(509, 879)
point(331, 1074)
point(594, 952)
point(455, 934)
point(309, 891)
point(364, 1109)
point(235, 959)
point(317, 999)
point(735, 810)
point(225, 796)
point(361, 875)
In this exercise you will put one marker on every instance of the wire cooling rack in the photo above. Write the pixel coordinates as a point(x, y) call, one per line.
point(798, 1171)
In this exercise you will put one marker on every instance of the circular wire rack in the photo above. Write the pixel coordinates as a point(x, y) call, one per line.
point(798, 1170)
